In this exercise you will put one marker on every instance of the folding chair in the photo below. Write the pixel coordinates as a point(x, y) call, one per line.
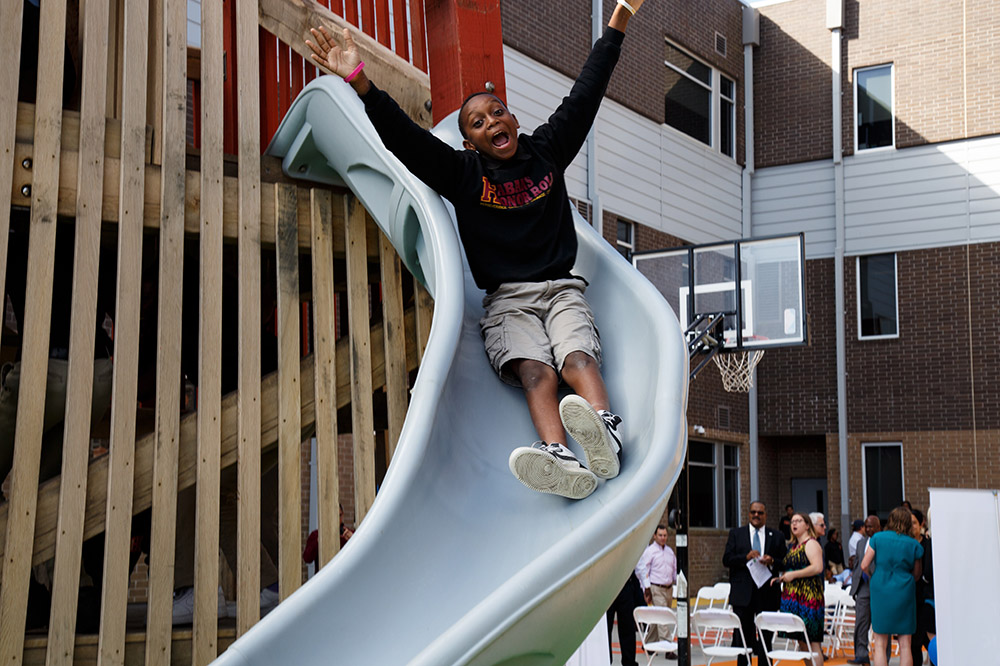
point(646, 617)
point(789, 624)
point(722, 593)
point(721, 620)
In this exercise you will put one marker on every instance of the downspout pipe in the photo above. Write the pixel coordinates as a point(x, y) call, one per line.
point(751, 38)
point(835, 23)
point(596, 210)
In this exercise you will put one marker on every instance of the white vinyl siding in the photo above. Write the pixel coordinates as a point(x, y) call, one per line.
point(907, 199)
point(647, 172)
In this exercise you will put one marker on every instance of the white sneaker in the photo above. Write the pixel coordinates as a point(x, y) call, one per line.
point(183, 610)
point(552, 468)
point(597, 433)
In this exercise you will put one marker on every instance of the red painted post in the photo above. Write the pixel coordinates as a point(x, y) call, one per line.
point(230, 127)
point(466, 52)
point(418, 29)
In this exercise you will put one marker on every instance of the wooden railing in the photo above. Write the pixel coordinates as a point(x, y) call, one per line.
point(223, 272)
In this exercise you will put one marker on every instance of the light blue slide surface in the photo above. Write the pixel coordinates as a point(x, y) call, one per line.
point(457, 562)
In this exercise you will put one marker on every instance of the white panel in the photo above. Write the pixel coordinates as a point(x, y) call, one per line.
point(793, 198)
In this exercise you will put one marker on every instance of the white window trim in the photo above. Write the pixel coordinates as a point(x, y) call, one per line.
point(715, 128)
point(719, 465)
point(857, 292)
point(630, 246)
point(892, 102)
point(864, 470)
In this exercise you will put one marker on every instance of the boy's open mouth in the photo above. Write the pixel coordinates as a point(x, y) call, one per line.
point(500, 140)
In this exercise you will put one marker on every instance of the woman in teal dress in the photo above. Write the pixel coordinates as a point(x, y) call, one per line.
point(802, 580)
point(896, 557)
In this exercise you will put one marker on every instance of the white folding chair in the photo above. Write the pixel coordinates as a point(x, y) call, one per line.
point(647, 617)
point(833, 597)
point(789, 624)
point(722, 593)
point(720, 620)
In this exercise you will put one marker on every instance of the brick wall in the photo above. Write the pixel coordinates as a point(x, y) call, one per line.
point(639, 82)
point(931, 459)
point(792, 90)
point(797, 386)
point(943, 62)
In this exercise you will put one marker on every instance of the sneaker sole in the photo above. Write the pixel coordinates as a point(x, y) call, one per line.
point(543, 473)
point(586, 426)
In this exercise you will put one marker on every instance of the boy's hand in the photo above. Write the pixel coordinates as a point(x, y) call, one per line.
point(329, 56)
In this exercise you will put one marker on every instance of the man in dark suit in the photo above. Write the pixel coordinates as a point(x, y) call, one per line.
point(861, 591)
point(748, 542)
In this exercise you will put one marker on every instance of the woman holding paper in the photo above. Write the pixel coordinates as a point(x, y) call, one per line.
point(802, 580)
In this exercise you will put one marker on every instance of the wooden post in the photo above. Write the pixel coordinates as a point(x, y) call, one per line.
point(466, 52)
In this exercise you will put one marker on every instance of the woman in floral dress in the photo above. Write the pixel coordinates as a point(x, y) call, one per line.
point(802, 581)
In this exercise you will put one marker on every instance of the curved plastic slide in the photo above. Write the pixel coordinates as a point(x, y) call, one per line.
point(457, 562)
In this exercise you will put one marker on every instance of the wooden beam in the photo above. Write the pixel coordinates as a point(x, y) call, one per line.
point(121, 455)
point(86, 259)
point(290, 20)
point(10, 36)
point(248, 328)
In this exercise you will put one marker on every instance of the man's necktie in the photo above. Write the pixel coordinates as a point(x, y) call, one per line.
point(756, 540)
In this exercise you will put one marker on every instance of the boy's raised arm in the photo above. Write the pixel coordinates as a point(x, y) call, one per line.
point(622, 13)
point(344, 62)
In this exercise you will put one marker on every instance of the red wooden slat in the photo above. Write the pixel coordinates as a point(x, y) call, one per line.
point(418, 30)
point(270, 112)
point(382, 22)
point(230, 126)
point(368, 17)
point(310, 73)
point(297, 65)
point(196, 104)
point(285, 77)
point(400, 29)
point(350, 10)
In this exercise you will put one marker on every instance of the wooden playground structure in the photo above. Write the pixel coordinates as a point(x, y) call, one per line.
point(159, 145)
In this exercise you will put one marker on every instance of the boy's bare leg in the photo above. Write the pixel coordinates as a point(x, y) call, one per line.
point(583, 374)
point(541, 390)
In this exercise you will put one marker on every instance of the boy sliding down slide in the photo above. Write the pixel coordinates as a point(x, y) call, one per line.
point(514, 218)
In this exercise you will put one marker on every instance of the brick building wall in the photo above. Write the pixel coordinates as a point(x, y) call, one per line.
point(943, 65)
point(639, 81)
point(797, 386)
point(791, 79)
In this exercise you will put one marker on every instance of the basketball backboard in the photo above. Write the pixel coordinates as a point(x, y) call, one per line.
point(770, 300)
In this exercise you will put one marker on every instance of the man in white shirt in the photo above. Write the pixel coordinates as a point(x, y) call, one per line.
point(852, 545)
point(657, 571)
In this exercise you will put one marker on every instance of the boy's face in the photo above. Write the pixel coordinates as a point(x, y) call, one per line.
point(491, 129)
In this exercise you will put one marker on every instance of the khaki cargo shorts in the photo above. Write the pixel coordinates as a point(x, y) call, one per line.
point(540, 321)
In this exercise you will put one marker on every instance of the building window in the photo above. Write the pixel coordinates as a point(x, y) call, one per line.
point(626, 239)
point(693, 90)
point(878, 314)
point(882, 469)
point(714, 484)
point(873, 88)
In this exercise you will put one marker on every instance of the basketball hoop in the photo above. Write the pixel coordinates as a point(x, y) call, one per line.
point(737, 369)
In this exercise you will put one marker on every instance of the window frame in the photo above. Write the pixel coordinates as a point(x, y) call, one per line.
point(620, 245)
point(892, 108)
point(719, 468)
point(714, 105)
point(895, 286)
point(864, 470)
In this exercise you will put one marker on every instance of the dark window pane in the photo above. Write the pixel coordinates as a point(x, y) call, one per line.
point(728, 88)
point(701, 452)
point(874, 107)
point(726, 138)
point(624, 232)
point(687, 107)
point(877, 297)
point(883, 479)
point(732, 456)
point(701, 494)
point(732, 496)
point(686, 63)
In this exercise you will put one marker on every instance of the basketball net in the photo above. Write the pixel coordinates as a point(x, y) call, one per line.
point(737, 369)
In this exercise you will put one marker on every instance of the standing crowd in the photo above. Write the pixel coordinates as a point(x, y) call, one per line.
point(888, 570)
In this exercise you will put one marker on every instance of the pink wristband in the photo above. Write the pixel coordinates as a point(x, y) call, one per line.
point(357, 70)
